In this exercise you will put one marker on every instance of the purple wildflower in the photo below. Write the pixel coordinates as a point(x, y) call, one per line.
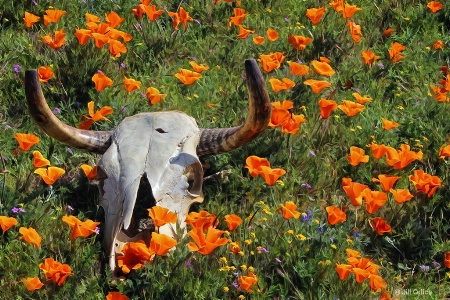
point(17, 68)
point(278, 260)
point(70, 208)
point(97, 230)
point(307, 217)
point(56, 111)
point(307, 185)
point(425, 268)
point(286, 20)
point(235, 284)
point(70, 150)
point(123, 66)
point(17, 210)
point(188, 263)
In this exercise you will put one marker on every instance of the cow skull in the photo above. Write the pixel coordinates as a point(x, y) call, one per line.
point(151, 158)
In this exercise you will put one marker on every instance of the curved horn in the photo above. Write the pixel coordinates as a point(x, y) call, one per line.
point(218, 140)
point(94, 141)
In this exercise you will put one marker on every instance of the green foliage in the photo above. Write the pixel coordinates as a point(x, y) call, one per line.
point(293, 259)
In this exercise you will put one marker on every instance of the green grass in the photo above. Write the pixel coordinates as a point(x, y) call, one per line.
point(314, 158)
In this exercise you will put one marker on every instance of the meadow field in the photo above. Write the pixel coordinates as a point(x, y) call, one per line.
point(345, 195)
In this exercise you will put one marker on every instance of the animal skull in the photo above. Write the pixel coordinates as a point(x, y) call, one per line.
point(156, 152)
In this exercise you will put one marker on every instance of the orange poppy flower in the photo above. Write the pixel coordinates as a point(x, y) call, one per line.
point(26, 140)
point(83, 35)
point(324, 59)
point(315, 14)
point(153, 13)
point(247, 282)
point(243, 32)
point(162, 215)
point(425, 183)
point(378, 150)
point(55, 271)
point(271, 61)
point(131, 84)
point(235, 247)
point(399, 159)
point(438, 45)
point(361, 99)
point(90, 172)
point(92, 18)
point(50, 175)
point(45, 73)
point(134, 255)
point(395, 52)
point(355, 31)
point(387, 181)
point(353, 190)
point(292, 124)
point(343, 270)
point(32, 283)
point(322, 68)
point(258, 40)
point(374, 200)
point(440, 93)
point(7, 222)
point(181, 16)
point(447, 259)
point(30, 19)
point(233, 221)
point(30, 236)
point(444, 151)
point(57, 42)
point(317, 85)
point(349, 10)
point(206, 244)
point(377, 283)
point(289, 210)
point(338, 5)
point(254, 163)
point(238, 17)
point(53, 16)
point(99, 39)
point(116, 48)
point(380, 226)
point(187, 77)
point(80, 228)
point(357, 156)
point(352, 253)
point(369, 57)
point(298, 41)
point(278, 117)
point(388, 125)
point(272, 35)
point(160, 244)
point(326, 107)
point(113, 19)
point(116, 296)
point(101, 81)
point(39, 160)
point(435, 6)
point(201, 219)
point(286, 104)
point(198, 68)
point(298, 69)
point(280, 85)
point(95, 116)
point(271, 175)
point(154, 96)
point(351, 108)
point(335, 215)
point(360, 274)
point(388, 32)
point(401, 195)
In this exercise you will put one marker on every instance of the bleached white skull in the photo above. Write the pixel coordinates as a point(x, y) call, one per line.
point(151, 158)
